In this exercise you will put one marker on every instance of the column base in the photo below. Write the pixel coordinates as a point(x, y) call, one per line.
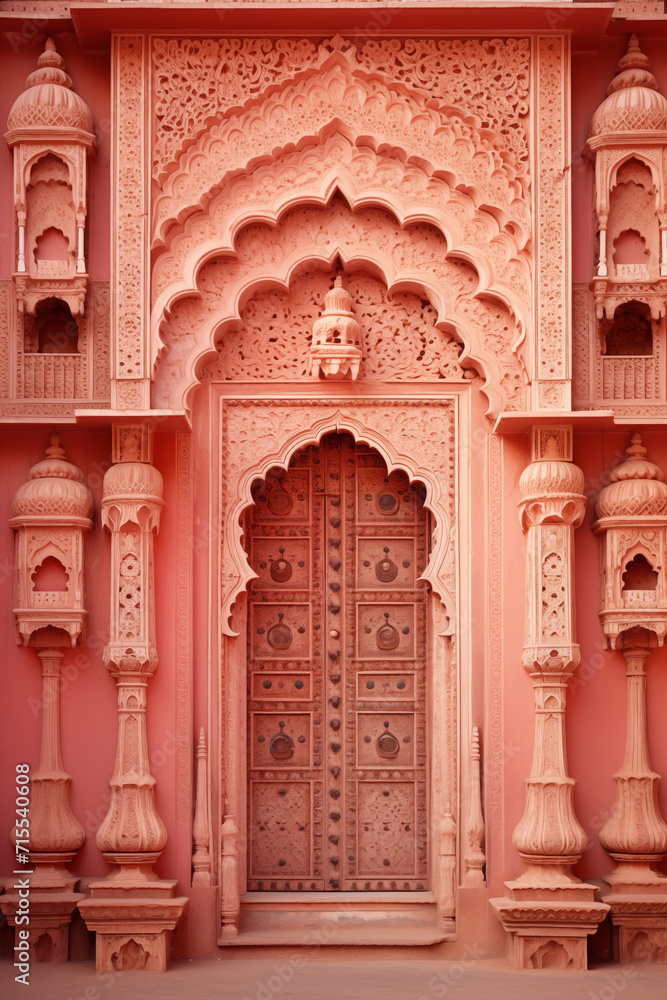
point(51, 900)
point(637, 896)
point(548, 925)
point(50, 917)
point(133, 921)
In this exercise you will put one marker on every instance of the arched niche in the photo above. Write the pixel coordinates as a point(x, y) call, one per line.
point(261, 437)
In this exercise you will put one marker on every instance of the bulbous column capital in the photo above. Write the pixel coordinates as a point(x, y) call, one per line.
point(551, 492)
point(132, 495)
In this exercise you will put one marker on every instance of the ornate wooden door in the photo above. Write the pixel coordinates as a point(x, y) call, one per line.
point(337, 675)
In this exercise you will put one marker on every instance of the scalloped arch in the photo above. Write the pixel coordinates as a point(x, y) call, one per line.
point(643, 157)
point(406, 260)
point(397, 453)
point(368, 107)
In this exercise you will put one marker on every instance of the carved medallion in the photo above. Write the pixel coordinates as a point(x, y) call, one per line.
point(281, 746)
point(387, 743)
point(387, 636)
point(386, 569)
point(279, 636)
point(281, 570)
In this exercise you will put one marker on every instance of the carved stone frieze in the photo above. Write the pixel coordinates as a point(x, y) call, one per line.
point(191, 90)
point(130, 386)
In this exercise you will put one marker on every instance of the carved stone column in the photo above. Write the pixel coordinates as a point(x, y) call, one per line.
point(51, 514)
point(632, 527)
point(550, 912)
point(636, 834)
point(132, 911)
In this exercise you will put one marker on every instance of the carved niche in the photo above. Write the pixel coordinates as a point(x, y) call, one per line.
point(625, 339)
point(51, 513)
point(56, 333)
point(632, 526)
point(50, 129)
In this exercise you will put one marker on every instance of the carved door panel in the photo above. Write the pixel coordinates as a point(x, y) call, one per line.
point(336, 681)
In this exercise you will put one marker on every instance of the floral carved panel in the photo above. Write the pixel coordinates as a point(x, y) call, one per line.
point(197, 81)
point(399, 331)
point(339, 98)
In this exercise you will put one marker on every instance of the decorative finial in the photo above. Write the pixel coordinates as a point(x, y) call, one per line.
point(50, 68)
point(55, 451)
point(634, 69)
point(636, 451)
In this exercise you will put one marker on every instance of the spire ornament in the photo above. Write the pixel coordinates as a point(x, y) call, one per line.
point(334, 352)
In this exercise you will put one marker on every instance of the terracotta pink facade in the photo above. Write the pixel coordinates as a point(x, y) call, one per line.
point(332, 397)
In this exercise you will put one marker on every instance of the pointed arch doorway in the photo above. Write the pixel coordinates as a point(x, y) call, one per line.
point(337, 763)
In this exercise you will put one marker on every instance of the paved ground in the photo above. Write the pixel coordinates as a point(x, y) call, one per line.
point(273, 979)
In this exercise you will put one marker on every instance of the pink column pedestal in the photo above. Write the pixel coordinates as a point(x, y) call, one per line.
point(549, 912)
point(55, 833)
point(636, 835)
point(132, 911)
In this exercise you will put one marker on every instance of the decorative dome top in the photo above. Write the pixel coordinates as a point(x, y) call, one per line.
point(637, 487)
point(55, 487)
point(633, 102)
point(48, 100)
point(337, 302)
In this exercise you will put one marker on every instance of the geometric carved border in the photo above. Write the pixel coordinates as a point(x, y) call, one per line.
point(496, 750)
point(551, 218)
point(184, 680)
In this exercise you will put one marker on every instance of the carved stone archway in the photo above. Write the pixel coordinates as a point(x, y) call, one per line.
point(415, 259)
point(257, 435)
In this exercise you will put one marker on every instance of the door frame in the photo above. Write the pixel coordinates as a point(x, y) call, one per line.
point(252, 430)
